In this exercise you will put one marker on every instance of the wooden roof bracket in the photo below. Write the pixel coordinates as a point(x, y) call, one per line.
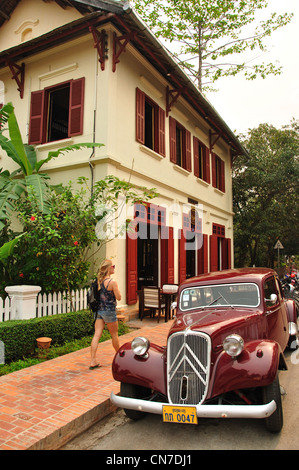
point(213, 138)
point(18, 74)
point(171, 97)
point(100, 42)
point(119, 46)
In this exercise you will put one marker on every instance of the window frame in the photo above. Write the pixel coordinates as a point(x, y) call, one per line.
point(158, 124)
point(39, 111)
point(184, 159)
point(218, 173)
point(201, 157)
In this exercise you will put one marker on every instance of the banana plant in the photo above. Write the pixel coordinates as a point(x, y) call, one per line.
point(27, 175)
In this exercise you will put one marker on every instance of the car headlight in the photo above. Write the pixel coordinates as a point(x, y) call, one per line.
point(233, 345)
point(140, 345)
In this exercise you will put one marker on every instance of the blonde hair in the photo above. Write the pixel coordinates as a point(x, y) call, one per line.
point(103, 270)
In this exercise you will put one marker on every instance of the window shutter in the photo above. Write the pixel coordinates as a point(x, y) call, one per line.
point(205, 254)
point(131, 269)
point(226, 253)
point(161, 124)
point(229, 253)
point(182, 257)
point(172, 139)
point(167, 256)
point(188, 150)
point(213, 253)
point(76, 107)
point(140, 109)
point(196, 156)
point(202, 254)
point(207, 164)
point(214, 180)
point(36, 117)
point(222, 173)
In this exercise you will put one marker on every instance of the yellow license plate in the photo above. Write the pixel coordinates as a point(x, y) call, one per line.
point(179, 414)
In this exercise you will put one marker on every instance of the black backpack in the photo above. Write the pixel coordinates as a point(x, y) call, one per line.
point(92, 296)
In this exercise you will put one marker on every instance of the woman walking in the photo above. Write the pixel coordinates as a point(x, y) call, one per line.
point(107, 295)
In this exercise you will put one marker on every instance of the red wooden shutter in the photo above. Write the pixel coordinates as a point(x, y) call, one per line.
point(205, 254)
point(207, 164)
point(188, 150)
point(202, 255)
point(167, 256)
point(226, 253)
point(196, 156)
point(222, 175)
point(172, 139)
point(76, 107)
point(170, 273)
point(214, 180)
point(213, 253)
point(229, 253)
point(131, 253)
point(140, 109)
point(36, 118)
point(182, 257)
point(161, 125)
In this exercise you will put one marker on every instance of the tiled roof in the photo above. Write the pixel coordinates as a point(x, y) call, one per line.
point(83, 6)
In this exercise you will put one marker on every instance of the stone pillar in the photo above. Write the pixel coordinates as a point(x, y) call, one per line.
point(23, 301)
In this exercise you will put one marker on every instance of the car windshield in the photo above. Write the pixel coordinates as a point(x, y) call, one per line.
point(224, 295)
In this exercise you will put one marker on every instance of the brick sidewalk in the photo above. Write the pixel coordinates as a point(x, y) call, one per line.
point(44, 406)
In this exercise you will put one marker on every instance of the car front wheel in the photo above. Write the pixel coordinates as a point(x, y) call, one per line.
point(134, 391)
point(271, 392)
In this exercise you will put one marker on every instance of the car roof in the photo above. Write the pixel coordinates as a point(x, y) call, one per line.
point(230, 275)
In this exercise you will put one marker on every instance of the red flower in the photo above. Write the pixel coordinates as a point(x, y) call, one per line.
point(76, 243)
point(21, 275)
point(32, 218)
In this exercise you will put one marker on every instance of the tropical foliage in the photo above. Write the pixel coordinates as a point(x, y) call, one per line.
point(58, 225)
point(265, 194)
point(209, 37)
point(27, 174)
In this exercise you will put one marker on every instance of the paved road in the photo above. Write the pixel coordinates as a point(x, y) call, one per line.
point(119, 433)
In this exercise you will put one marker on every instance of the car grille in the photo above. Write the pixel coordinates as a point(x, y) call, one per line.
point(188, 367)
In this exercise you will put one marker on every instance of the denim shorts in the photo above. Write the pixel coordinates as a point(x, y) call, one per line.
point(109, 316)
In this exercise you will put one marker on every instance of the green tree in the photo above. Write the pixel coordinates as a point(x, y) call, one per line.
point(209, 32)
point(14, 184)
point(265, 195)
point(57, 245)
point(59, 224)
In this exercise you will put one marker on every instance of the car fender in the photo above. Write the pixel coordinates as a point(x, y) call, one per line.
point(291, 311)
point(146, 371)
point(256, 366)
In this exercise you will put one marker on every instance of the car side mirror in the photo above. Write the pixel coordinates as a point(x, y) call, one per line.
point(273, 299)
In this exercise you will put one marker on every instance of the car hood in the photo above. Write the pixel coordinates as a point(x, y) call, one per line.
point(221, 321)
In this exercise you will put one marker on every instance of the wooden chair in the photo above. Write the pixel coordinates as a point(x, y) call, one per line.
point(152, 300)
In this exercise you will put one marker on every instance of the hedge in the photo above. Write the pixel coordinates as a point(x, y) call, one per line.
point(19, 336)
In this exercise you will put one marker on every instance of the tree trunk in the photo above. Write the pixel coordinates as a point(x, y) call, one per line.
point(199, 73)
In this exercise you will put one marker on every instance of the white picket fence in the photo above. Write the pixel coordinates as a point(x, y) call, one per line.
point(48, 304)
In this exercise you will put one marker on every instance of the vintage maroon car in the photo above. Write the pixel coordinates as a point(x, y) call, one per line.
point(223, 354)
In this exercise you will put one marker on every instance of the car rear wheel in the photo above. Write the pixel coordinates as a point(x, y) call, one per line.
point(271, 392)
point(134, 391)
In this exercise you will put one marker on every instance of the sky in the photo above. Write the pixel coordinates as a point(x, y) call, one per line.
point(244, 104)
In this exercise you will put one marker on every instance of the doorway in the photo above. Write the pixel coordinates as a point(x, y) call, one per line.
point(147, 259)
